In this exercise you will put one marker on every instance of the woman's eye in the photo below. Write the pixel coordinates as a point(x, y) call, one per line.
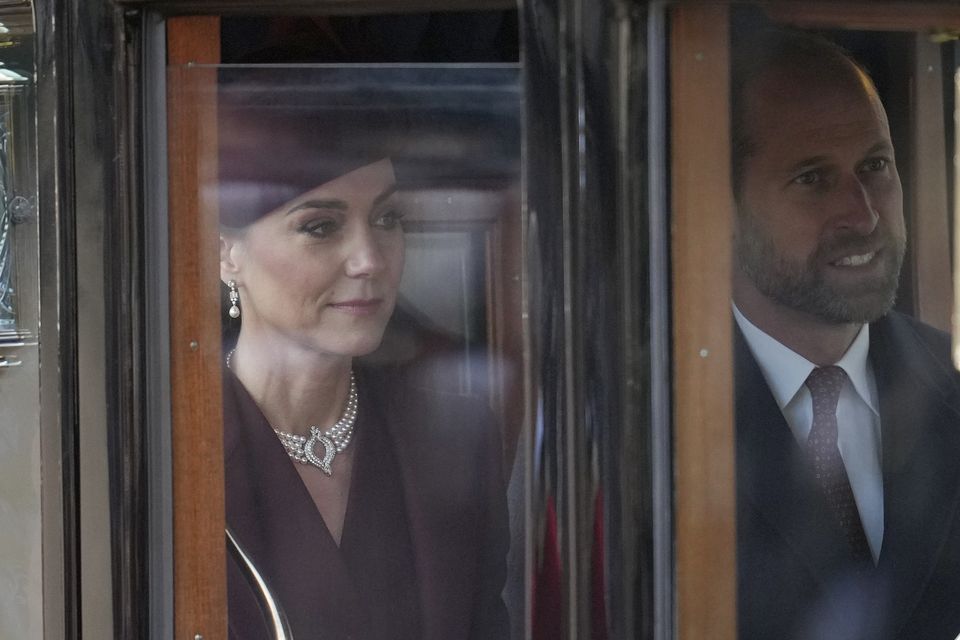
point(320, 228)
point(389, 220)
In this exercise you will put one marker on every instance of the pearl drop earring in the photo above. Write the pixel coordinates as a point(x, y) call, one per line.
point(234, 300)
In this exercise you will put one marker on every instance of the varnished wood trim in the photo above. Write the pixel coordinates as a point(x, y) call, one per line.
point(868, 16)
point(930, 229)
point(702, 214)
point(956, 235)
point(198, 521)
point(319, 7)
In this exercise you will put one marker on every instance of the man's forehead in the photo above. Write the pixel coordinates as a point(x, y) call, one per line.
point(811, 87)
point(802, 112)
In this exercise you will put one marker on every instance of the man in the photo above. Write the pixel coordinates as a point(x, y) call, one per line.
point(848, 414)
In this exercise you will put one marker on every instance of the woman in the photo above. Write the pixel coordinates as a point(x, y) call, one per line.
point(372, 510)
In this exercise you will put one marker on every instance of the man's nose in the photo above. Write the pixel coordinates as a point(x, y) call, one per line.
point(857, 212)
point(364, 255)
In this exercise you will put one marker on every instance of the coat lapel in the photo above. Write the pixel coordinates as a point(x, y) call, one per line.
point(774, 479)
point(424, 438)
point(921, 474)
point(274, 519)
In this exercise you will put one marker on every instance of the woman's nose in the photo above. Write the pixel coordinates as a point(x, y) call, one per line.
point(364, 256)
point(858, 213)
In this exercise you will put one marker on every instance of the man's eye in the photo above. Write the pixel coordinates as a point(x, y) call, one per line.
point(808, 177)
point(875, 164)
point(389, 220)
point(319, 228)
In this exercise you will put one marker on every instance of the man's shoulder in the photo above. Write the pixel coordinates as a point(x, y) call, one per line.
point(904, 346)
point(923, 330)
point(906, 332)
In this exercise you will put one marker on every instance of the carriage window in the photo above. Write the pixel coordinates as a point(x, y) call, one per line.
point(845, 397)
point(21, 580)
point(364, 211)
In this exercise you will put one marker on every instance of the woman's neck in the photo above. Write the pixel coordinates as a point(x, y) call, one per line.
point(294, 387)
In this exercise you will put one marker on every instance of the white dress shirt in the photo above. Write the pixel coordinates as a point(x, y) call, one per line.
point(858, 416)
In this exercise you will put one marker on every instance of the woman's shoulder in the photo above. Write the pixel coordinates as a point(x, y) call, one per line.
point(410, 403)
point(397, 386)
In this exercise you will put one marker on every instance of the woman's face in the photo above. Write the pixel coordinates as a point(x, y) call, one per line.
point(321, 272)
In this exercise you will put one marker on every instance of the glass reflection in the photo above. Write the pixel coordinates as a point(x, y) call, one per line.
point(15, 207)
point(21, 554)
point(362, 413)
point(846, 406)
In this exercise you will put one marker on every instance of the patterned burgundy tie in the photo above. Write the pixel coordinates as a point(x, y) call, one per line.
point(825, 384)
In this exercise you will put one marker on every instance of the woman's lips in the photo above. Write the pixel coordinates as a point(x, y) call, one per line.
point(359, 307)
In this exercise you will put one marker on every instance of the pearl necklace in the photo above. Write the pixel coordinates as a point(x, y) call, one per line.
point(334, 440)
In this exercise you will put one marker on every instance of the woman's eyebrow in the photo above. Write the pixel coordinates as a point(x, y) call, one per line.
point(338, 205)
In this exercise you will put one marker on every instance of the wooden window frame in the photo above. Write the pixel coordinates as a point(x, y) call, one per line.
point(199, 550)
point(195, 335)
point(702, 215)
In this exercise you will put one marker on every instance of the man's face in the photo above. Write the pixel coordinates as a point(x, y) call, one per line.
point(820, 212)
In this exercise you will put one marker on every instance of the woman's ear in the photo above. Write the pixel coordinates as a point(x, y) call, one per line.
point(229, 252)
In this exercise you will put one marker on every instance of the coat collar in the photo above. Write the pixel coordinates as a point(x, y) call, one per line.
point(427, 435)
point(266, 513)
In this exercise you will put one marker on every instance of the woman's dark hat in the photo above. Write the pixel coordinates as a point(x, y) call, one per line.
point(285, 130)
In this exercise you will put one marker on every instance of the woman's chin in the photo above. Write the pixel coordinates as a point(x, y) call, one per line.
point(358, 346)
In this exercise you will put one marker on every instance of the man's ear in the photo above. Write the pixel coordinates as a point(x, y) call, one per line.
point(229, 257)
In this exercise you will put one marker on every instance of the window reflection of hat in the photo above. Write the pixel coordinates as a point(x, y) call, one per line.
point(270, 153)
point(284, 131)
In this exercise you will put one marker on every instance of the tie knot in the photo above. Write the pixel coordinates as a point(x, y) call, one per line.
point(825, 384)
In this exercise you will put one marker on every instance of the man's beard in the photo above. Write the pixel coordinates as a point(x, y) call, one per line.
point(805, 287)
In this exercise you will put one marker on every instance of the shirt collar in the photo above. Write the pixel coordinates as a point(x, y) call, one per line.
point(786, 370)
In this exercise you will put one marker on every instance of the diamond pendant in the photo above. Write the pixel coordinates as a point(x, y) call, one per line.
point(329, 451)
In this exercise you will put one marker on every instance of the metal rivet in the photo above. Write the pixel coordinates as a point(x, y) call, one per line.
point(698, 56)
point(704, 353)
point(194, 345)
point(930, 68)
point(198, 637)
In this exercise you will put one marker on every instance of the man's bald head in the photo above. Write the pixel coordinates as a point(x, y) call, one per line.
point(805, 60)
point(819, 231)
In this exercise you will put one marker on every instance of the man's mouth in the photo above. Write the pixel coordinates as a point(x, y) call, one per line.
point(855, 260)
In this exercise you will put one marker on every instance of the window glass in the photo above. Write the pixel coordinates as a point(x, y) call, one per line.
point(21, 586)
point(846, 398)
point(369, 222)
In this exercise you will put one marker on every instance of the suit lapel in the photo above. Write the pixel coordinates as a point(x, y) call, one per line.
point(921, 476)
point(774, 479)
point(775, 482)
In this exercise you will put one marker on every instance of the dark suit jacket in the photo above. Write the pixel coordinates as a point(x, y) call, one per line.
point(447, 455)
point(795, 580)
